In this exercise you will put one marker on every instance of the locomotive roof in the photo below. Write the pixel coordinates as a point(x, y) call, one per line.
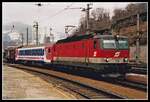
point(81, 37)
point(75, 38)
point(105, 36)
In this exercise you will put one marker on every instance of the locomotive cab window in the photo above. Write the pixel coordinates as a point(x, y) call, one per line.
point(109, 44)
point(121, 43)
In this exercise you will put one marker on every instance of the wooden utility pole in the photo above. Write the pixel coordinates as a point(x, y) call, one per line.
point(138, 39)
point(36, 27)
point(51, 36)
point(87, 10)
point(27, 36)
point(22, 38)
point(88, 28)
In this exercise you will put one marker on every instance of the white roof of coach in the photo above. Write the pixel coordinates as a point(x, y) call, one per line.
point(31, 48)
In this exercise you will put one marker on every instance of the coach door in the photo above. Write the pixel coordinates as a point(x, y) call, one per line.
point(48, 54)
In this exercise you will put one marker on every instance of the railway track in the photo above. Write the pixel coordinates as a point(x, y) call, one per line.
point(98, 87)
point(138, 68)
point(124, 82)
point(80, 91)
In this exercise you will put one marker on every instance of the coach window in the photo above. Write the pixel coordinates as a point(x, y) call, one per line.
point(41, 52)
point(94, 44)
point(26, 51)
point(30, 52)
point(37, 52)
point(20, 53)
point(33, 52)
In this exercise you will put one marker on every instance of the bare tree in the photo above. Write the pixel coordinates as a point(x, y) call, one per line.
point(99, 14)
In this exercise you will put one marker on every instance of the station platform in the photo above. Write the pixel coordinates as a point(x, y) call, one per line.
point(18, 84)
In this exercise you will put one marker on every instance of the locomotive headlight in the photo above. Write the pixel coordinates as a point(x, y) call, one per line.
point(106, 59)
point(125, 59)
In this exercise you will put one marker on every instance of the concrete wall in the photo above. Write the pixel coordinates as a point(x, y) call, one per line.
point(143, 53)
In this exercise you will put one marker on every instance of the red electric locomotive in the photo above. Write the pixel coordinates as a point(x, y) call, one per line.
point(105, 54)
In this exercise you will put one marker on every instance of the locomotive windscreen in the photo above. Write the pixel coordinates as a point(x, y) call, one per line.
point(121, 43)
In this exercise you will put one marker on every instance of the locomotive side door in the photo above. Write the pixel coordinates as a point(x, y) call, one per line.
point(86, 51)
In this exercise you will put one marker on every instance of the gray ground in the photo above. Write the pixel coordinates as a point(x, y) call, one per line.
point(18, 84)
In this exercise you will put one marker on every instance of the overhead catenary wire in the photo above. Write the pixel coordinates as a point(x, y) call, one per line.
point(57, 13)
point(49, 17)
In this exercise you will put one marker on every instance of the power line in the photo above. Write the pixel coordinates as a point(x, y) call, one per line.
point(58, 12)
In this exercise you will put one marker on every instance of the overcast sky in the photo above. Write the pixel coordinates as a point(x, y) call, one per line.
point(51, 14)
